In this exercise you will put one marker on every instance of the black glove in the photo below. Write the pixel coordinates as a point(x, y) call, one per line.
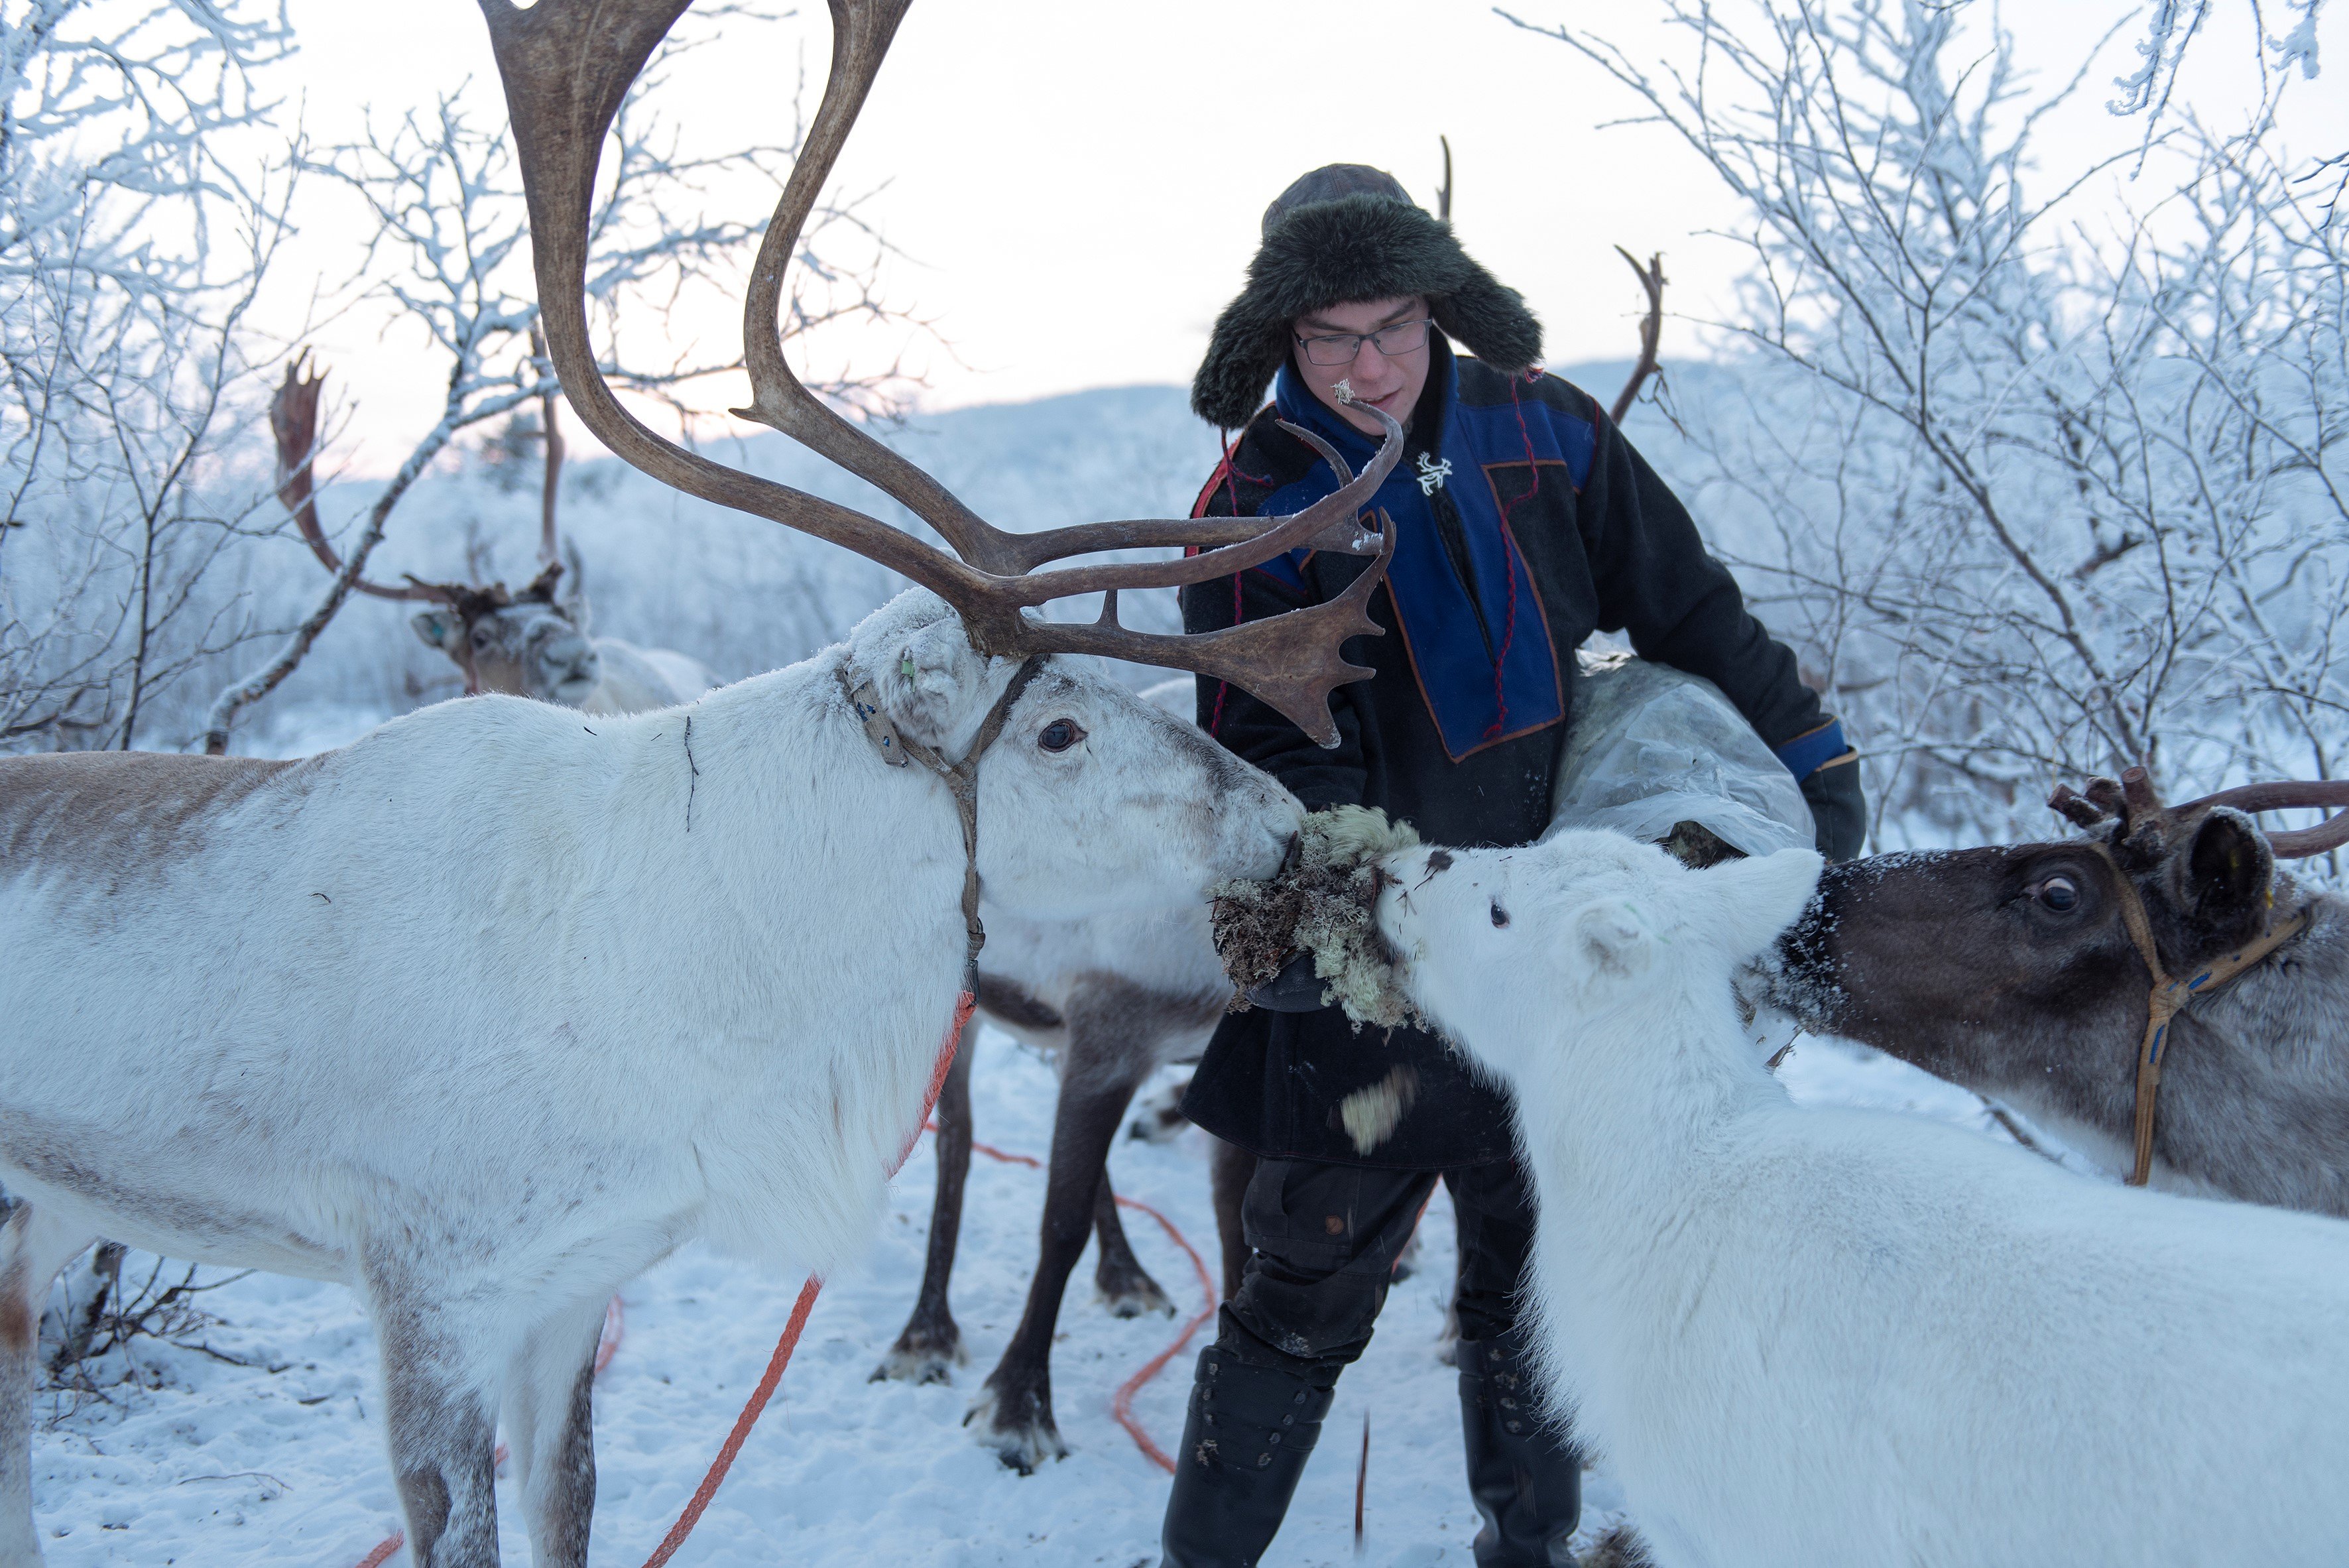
point(1838, 807)
point(1293, 990)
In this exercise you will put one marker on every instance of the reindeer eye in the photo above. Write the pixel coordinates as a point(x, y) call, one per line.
point(481, 636)
point(1500, 915)
point(1060, 735)
point(2058, 894)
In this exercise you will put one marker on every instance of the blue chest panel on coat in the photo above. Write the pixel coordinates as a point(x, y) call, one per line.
point(1482, 652)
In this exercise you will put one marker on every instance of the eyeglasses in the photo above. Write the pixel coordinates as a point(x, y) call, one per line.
point(1341, 347)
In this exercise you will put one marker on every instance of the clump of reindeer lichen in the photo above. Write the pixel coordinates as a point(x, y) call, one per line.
point(1323, 905)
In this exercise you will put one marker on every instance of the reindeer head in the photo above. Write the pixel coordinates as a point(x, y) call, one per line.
point(530, 643)
point(1506, 948)
point(1985, 966)
point(533, 643)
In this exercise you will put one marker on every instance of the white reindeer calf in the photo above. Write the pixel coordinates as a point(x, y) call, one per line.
point(1827, 1337)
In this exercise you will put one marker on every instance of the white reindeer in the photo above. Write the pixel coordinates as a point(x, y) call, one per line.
point(1840, 1336)
point(538, 643)
point(491, 1010)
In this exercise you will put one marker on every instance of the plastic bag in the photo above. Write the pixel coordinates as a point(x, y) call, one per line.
point(1650, 747)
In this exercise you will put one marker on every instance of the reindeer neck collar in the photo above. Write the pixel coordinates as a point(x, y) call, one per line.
point(2171, 994)
point(961, 779)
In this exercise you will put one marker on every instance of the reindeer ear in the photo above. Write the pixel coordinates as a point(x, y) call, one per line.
point(2227, 872)
point(1613, 937)
point(438, 629)
point(1748, 902)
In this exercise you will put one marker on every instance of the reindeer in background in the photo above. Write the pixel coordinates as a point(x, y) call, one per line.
point(2022, 972)
point(534, 643)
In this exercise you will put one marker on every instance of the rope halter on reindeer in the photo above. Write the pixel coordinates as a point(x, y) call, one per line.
point(2142, 828)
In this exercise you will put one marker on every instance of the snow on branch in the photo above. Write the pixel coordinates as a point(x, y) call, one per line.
point(131, 250)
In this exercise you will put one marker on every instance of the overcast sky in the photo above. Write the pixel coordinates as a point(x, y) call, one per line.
point(1078, 185)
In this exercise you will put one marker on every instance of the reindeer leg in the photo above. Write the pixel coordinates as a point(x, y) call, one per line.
point(436, 1418)
point(1228, 1169)
point(1014, 1414)
point(34, 1247)
point(1124, 1286)
point(550, 1433)
point(931, 1347)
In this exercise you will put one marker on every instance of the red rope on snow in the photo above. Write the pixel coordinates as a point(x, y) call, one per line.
point(1123, 1406)
point(749, 1418)
point(757, 1405)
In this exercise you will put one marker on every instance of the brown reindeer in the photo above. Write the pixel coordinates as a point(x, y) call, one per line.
point(2011, 970)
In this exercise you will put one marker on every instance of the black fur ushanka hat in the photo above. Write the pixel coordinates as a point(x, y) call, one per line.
point(1342, 233)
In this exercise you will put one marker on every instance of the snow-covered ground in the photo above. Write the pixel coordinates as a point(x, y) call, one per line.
point(201, 1462)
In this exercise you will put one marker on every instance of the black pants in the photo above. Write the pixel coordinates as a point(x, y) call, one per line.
point(1324, 1241)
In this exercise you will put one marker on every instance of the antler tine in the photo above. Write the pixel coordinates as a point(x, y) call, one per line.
point(2330, 834)
point(2295, 844)
point(2078, 812)
point(1291, 662)
point(2277, 797)
point(294, 424)
point(1343, 536)
point(550, 408)
point(2137, 792)
point(1333, 515)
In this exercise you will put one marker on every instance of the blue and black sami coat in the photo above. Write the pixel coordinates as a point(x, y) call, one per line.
point(1524, 522)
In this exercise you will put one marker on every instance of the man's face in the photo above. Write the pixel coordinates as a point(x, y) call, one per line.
point(1388, 382)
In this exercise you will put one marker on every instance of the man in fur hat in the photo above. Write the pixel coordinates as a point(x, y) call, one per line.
point(1522, 521)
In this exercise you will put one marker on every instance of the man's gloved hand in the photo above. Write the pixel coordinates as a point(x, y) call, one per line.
point(1293, 990)
point(1838, 807)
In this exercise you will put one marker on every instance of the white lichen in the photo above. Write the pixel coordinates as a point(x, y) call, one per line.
point(1370, 1115)
point(1322, 905)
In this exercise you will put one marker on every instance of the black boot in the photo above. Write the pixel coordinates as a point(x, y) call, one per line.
point(1243, 1447)
point(1525, 1476)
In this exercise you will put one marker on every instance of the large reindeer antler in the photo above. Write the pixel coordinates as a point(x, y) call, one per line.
point(2135, 808)
point(566, 66)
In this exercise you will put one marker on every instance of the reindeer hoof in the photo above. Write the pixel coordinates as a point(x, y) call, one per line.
point(1134, 1295)
point(1020, 1430)
point(922, 1359)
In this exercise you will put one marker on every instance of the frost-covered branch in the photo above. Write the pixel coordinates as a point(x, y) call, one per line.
point(2033, 498)
point(130, 251)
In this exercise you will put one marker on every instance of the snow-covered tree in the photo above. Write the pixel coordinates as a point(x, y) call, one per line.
point(131, 248)
point(2034, 495)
